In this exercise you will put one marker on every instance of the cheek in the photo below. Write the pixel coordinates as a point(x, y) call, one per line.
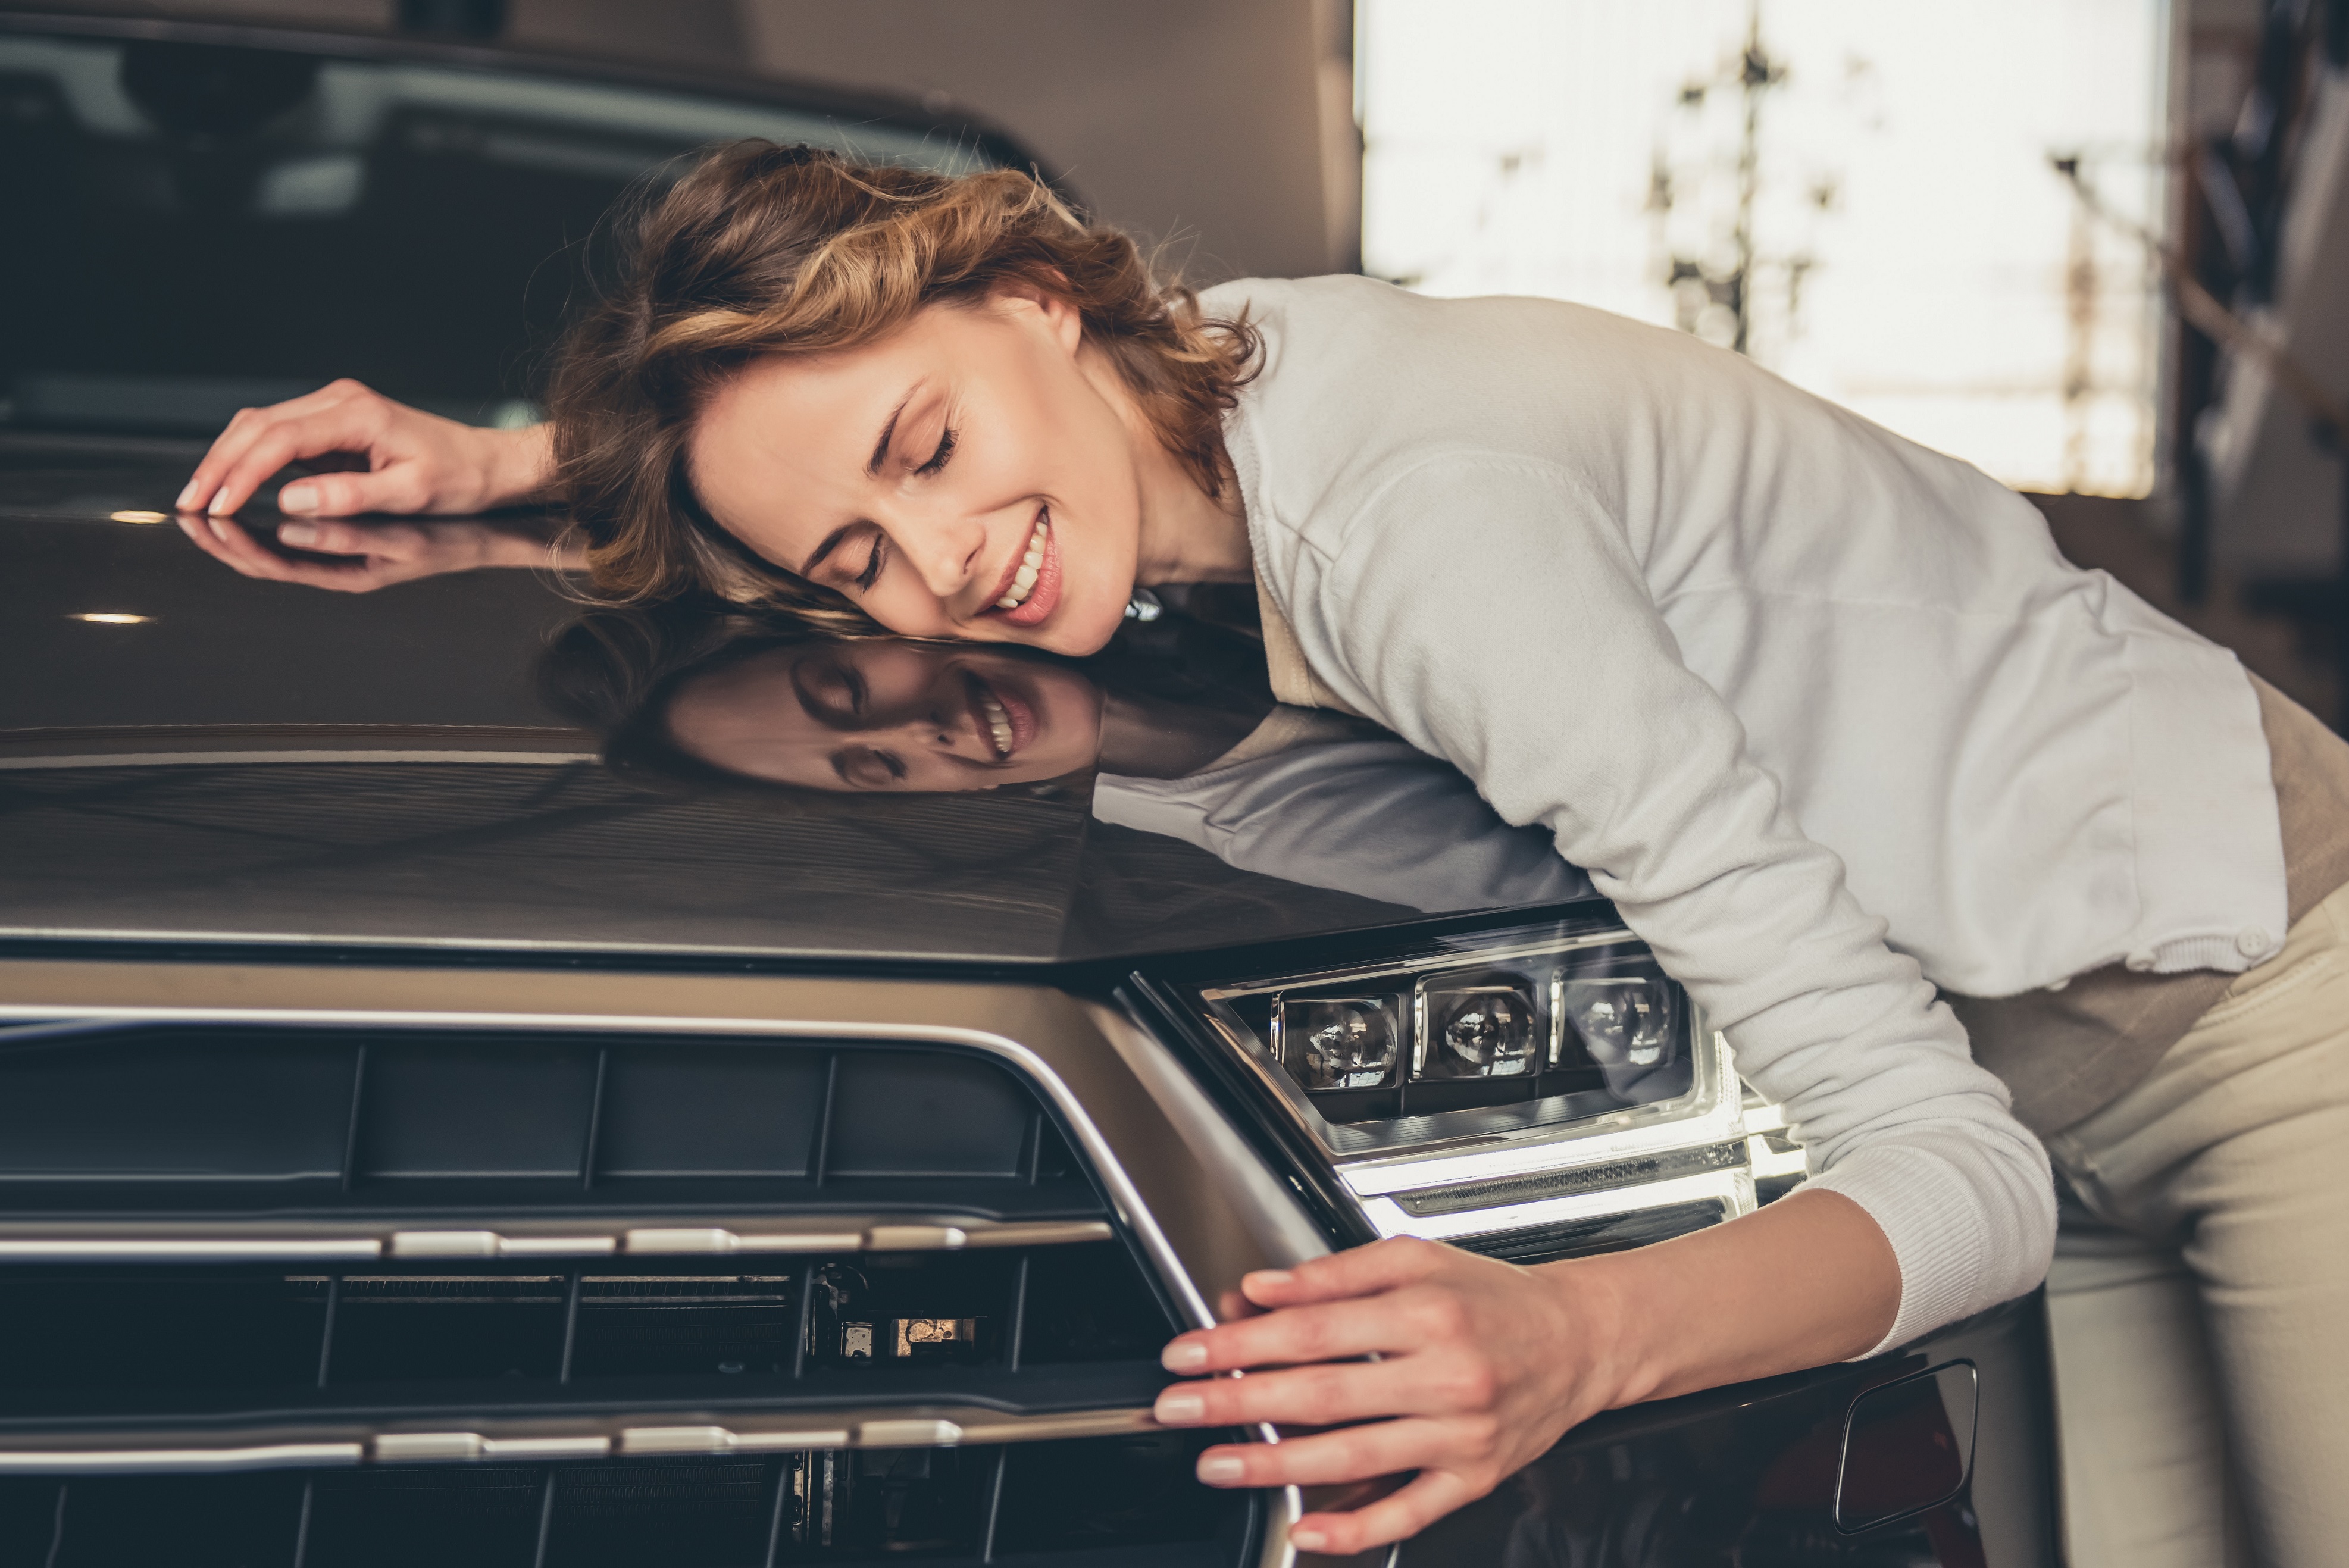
point(906, 606)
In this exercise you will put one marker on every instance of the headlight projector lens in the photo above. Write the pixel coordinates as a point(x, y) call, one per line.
point(1485, 1027)
point(1621, 1021)
point(1338, 1042)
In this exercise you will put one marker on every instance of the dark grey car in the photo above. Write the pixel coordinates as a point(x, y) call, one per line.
point(421, 1140)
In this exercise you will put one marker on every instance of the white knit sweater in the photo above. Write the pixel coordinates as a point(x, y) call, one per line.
point(1823, 713)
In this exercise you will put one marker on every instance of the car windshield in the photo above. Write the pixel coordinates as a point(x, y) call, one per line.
point(194, 227)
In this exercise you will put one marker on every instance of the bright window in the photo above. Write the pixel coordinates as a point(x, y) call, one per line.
point(1914, 255)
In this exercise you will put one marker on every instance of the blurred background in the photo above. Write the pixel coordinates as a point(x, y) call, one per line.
point(2099, 248)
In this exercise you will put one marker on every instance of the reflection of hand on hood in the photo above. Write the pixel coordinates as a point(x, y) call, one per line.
point(1332, 803)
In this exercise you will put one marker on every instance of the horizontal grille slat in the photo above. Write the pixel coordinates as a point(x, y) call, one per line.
point(86, 1339)
point(1116, 1500)
point(179, 1120)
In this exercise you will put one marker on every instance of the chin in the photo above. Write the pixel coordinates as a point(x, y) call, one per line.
point(1086, 625)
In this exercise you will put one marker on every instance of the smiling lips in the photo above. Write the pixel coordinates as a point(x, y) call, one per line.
point(1032, 587)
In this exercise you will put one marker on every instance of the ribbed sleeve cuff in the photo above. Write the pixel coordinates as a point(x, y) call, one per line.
point(1932, 1215)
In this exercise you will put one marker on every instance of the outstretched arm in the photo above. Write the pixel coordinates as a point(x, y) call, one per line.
point(416, 462)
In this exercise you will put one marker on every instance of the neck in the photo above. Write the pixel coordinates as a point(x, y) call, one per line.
point(1187, 535)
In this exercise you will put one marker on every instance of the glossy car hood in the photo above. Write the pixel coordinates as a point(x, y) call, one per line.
point(217, 757)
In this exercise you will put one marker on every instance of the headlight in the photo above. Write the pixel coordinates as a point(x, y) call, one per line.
point(1575, 1027)
point(1537, 1093)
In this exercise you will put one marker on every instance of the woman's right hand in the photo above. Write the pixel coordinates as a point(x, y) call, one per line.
point(416, 462)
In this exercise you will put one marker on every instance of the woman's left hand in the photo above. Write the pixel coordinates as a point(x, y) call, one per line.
point(1480, 1366)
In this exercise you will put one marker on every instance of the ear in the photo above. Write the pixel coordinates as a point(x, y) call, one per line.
point(1060, 320)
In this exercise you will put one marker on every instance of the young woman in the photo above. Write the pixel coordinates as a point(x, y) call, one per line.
point(1823, 713)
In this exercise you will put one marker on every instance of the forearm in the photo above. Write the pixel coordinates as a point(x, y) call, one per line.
point(1808, 1281)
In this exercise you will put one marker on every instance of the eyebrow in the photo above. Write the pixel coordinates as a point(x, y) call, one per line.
point(872, 470)
point(888, 431)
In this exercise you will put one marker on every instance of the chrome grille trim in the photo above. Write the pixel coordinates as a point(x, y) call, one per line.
point(206, 1460)
point(541, 1441)
point(686, 1238)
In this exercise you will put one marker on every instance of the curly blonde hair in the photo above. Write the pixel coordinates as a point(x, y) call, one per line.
point(764, 249)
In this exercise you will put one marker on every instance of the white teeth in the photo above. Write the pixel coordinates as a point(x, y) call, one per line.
point(998, 725)
point(1030, 564)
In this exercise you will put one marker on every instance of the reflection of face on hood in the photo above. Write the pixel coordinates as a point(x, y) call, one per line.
point(884, 714)
point(712, 695)
point(721, 696)
point(1310, 797)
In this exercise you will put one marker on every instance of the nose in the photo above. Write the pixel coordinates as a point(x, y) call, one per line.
point(944, 549)
point(929, 731)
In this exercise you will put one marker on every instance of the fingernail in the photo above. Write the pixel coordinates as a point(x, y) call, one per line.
point(1270, 1279)
point(1180, 1409)
point(298, 498)
point(1220, 1470)
point(218, 506)
point(1183, 1357)
point(1309, 1541)
point(187, 497)
point(297, 533)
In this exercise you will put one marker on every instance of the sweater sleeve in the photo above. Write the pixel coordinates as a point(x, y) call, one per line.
point(1489, 611)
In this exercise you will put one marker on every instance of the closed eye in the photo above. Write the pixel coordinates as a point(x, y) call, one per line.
point(872, 562)
point(938, 458)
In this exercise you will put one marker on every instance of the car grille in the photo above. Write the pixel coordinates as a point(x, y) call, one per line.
point(1113, 1500)
point(322, 1297)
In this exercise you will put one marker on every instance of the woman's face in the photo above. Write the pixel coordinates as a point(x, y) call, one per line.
point(889, 716)
point(972, 475)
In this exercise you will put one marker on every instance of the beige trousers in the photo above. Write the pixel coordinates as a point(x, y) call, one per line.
point(2201, 1318)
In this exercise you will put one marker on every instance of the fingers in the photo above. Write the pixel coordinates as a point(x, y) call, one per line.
point(1293, 1332)
point(286, 439)
point(1351, 1453)
point(1332, 1332)
point(204, 485)
point(1358, 1271)
point(342, 417)
point(1453, 1467)
point(1398, 1516)
point(1301, 1396)
point(393, 488)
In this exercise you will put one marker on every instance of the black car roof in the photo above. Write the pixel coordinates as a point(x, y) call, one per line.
point(944, 117)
